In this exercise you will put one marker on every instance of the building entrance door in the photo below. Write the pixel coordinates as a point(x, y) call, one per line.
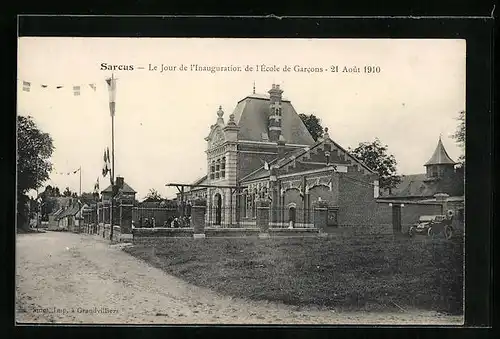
point(396, 218)
point(292, 215)
point(218, 209)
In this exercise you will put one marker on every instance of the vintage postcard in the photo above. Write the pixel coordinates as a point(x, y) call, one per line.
point(240, 181)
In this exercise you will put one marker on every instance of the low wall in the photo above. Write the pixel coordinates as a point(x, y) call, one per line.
point(165, 232)
point(232, 232)
point(142, 235)
point(294, 232)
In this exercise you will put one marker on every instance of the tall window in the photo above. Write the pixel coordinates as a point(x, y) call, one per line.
point(217, 169)
point(248, 204)
point(212, 170)
point(223, 168)
point(254, 205)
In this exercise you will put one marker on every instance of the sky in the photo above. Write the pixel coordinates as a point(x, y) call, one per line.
point(162, 118)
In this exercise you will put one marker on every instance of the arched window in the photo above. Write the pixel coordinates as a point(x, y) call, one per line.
point(212, 170)
point(217, 169)
point(223, 168)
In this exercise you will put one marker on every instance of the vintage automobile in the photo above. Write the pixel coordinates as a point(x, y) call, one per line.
point(432, 225)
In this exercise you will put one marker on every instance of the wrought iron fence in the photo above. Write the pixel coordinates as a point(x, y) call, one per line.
point(227, 217)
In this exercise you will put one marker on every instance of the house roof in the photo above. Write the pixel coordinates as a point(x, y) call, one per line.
point(251, 115)
point(70, 211)
point(126, 189)
point(440, 156)
point(295, 154)
point(414, 185)
point(419, 185)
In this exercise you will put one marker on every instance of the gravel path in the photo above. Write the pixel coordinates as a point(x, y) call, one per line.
point(73, 278)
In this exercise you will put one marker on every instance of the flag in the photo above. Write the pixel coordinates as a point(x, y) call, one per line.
point(76, 90)
point(107, 166)
point(112, 94)
point(266, 165)
point(96, 185)
point(92, 86)
point(26, 86)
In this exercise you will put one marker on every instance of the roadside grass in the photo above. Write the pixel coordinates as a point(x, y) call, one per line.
point(365, 273)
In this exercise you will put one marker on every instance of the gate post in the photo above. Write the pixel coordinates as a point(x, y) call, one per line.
point(262, 217)
point(198, 218)
point(320, 215)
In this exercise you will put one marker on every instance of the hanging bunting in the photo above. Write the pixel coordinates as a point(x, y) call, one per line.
point(77, 88)
point(26, 86)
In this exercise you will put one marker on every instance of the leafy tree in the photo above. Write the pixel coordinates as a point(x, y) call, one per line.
point(375, 156)
point(89, 197)
point(48, 205)
point(52, 191)
point(313, 125)
point(56, 191)
point(33, 162)
point(459, 136)
point(153, 195)
point(67, 192)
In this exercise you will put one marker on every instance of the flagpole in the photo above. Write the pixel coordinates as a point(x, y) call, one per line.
point(112, 107)
point(80, 170)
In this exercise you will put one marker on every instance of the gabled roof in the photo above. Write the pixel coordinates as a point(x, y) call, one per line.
point(419, 185)
point(261, 172)
point(251, 115)
point(70, 211)
point(126, 189)
point(440, 156)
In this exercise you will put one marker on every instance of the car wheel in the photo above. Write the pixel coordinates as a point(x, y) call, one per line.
point(430, 232)
point(448, 232)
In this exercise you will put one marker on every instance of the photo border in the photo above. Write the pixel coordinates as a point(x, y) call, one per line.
point(478, 33)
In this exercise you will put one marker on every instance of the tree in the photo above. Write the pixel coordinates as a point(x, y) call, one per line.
point(313, 125)
point(33, 162)
point(375, 156)
point(459, 136)
point(67, 192)
point(153, 195)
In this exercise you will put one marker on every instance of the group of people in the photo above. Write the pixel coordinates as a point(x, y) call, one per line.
point(173, 222)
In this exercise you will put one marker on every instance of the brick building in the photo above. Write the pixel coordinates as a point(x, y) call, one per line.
point(442, 184)
point(266, 150)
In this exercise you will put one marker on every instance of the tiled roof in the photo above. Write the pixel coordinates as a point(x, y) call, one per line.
point(126, 189)
point(440, 156)
point(70, 211)
point(251, 115)
point(418, 185)
point(288, 157)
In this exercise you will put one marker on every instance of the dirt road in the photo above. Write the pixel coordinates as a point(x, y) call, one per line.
point(72, 278)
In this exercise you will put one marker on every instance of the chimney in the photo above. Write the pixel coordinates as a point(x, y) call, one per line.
point(274, 122)
point(119, 182)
